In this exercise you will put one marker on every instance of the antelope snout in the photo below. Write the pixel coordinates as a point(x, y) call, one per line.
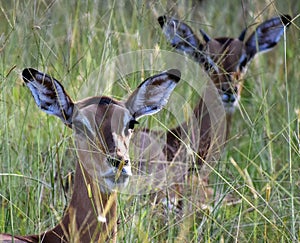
point(126, 170)
point(228, 97)
point(122, 165)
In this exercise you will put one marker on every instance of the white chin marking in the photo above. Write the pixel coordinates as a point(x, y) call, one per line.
point(112, 185)
point(229, 107)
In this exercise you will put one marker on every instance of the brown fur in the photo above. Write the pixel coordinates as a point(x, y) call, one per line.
point(102, 133)
point(225, 60)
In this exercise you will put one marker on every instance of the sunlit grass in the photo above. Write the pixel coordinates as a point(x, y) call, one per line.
point(70, 39)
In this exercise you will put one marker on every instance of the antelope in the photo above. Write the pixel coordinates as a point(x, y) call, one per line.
point(225, 60)
point(103, 128)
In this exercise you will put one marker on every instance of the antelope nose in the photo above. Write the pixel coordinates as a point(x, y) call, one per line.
point(228, 98)
point(121, 165)
point(126, 170)
point(117, 162)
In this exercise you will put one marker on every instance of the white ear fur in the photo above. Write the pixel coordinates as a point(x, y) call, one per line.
point(153, 94)
point(266, 35)
point(180, 36)
point(49, 94)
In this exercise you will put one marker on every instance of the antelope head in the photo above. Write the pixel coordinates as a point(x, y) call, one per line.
point(225, 59)
point(102, 125)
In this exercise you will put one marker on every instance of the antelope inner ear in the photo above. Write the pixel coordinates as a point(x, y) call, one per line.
point(49, 94)
point(153, 94)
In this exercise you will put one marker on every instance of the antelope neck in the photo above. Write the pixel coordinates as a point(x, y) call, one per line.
point(91, 215)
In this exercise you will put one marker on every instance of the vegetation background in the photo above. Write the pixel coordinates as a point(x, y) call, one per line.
point(69, 39)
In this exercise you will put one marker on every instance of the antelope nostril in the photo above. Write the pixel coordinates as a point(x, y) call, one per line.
point(116, 162)
point(228, 98)
point(232, 98)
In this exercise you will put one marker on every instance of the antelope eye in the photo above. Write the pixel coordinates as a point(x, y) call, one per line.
point(132, 123)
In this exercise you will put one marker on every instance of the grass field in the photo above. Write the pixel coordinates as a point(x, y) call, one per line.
point(70, 39)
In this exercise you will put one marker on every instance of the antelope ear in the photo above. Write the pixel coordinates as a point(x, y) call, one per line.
point(180, 36)
point(49, 94)
point(266, 35)
point(205, 36)
point(153, 94)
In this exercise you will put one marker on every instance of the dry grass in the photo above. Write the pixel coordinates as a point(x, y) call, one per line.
point(70, 39)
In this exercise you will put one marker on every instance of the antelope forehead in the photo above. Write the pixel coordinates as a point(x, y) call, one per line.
point(120, 137)
point(120, 117)
point(121, 143)
point(227, 52)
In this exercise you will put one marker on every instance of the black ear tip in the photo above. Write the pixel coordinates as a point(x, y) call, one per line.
point(162, 20)
point(28, 73)
point(243, 34)
point(286, 19)
point(174, 74)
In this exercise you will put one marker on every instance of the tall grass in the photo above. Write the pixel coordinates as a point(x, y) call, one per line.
point(260, 165)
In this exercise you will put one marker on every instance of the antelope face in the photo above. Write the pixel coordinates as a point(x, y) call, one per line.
point(102, 126)
point(224, 64)
point(224, 59)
